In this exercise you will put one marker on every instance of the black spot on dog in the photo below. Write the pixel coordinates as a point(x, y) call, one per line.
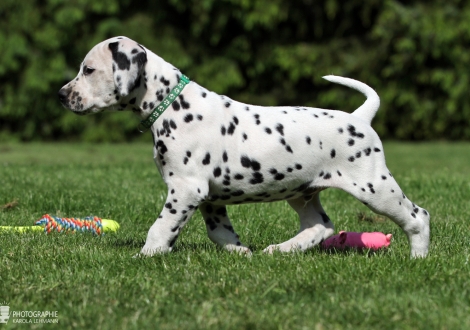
point(280, 129)
point(209, 209)
point(247, 162)
point(257, 119)
point(119, 58)
point(225, 157)
point(210, 223)
point(229, 228)
point(184, 104)
point(267, 130)
point(188, 118)
point(176, 105)
point(308, 139)
point(333, 153)
point(257, 178)
point(207, 159)
point(217, 172)
point(238, 176)
point(231, 129)
point(325, 218)
point(204, 94)
point(350, 142)
point(164, 81)
point(352, 130)
point(223, 130)
point(221, 211)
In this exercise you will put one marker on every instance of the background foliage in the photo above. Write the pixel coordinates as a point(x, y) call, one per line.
point(270, 52)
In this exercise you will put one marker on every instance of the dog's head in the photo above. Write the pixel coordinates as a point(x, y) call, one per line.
point(110, 72)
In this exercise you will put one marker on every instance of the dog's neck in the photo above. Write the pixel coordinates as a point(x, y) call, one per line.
point(157, 80)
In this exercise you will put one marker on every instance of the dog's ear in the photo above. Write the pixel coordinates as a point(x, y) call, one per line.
point(129, 59)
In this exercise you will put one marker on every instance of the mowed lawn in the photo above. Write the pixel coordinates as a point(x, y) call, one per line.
point(94, 283)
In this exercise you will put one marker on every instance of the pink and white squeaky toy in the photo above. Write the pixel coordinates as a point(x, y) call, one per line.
point(343, 240)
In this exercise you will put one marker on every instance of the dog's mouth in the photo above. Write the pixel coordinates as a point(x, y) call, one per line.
point(83, 112)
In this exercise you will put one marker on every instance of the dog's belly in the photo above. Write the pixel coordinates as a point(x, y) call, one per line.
point(264, 192)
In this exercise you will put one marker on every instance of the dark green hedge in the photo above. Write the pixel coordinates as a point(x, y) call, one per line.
point(270, 52)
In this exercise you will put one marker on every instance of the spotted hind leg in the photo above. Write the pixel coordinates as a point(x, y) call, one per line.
point(220, 229)
point(315, 226)
point(383, 196)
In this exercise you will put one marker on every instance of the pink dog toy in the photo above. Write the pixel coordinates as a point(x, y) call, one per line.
point(344, 240)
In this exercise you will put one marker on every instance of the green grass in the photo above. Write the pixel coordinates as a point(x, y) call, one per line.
point(94, 283)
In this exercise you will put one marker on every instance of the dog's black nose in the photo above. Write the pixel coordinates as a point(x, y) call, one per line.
point(63, 93)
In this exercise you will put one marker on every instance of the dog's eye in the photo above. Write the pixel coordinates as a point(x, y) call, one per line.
point(87, 70)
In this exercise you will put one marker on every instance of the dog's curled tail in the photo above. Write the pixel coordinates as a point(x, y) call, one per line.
point(366, 111)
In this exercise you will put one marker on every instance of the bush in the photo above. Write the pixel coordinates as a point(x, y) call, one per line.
point(265, 52)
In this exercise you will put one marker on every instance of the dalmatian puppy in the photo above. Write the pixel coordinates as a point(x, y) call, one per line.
point(213, 151)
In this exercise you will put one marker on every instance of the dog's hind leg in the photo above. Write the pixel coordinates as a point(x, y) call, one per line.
point(383, 196)
point(220, 229)
point(315, 226)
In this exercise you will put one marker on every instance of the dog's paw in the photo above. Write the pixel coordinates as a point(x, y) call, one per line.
point(276, 247)
point(270, 249)
point(149, 252)
point(283, 247)
point(240, 249)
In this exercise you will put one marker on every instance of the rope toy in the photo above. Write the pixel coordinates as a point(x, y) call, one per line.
point(49, 224)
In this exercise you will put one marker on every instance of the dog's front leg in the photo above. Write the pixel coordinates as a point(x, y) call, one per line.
point(182, 200)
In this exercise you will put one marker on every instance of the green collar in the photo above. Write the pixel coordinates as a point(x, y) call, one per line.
point(157, 112)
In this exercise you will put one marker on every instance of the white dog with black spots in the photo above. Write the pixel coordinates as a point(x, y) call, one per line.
point(213, 151)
